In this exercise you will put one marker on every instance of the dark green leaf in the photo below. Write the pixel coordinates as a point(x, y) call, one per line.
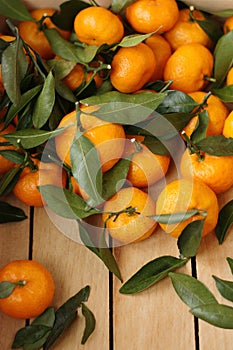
point(223, 57)
point(211, 28)
point(47, 318)
point(107, 257)
point(14, 67)
point(216, 145)
point(61, 67)
point(225, 93)
point(114, 179)
point(230, 262)
point(65, 315)
point(155, 145)
point(178, 120)
point(175, 218)
point(151, 273)
point(191, 291)
point(64, 18)
point(10, 213)
point(133, 39)
point(29, 335)
point(200, 131)
point(176, 102)
point(86, 168)
point(225, 220)
point(6, 289)
point(9, 180)
point(216, 314)
point(118, 5)
point(190, 238)
point(44, 103)
point(89, 323)
point(30, 138)
point(65, 203)
point(14, 9)
point(224, 287)
point(86, 239)
point(13, 156)
point(122, 108)
point(64, 91)
point(24, 100)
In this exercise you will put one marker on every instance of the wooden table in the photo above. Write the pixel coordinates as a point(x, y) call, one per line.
point(153, 319)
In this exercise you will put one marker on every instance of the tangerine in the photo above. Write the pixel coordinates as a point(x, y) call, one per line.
point(228, 126)
point(5, 164)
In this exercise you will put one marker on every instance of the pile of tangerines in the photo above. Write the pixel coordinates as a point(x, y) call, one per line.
point(150, 50)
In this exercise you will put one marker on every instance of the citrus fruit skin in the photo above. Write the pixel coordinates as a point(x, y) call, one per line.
point(97, 25)
point(182, 195)
point(215, 171)
point(35, 37)
point(32, 297)
point(229, 78)
point(228, 24)
point(128, 228)
point(228, 126)
point(132, 67)
point(217, 113)
point(188, 67)
point(186, 30)
point(147, 16)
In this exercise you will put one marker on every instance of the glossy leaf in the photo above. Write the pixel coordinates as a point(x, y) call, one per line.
point(174, 218)
point(225, 220)
point(10, 213)
point(176, 102)
point(66, 314)
point(133, 39)
point(230, 262)
point(107, 257)
point(211, 28)
point(44, 103)
point(150, 273)
point(216, 145)
point(14, 67)
point(200, 131)
point(14, 9)
point(61, 67)
point(115, 178)
point(86, 168)
point(89, 323)
point(178, 120)
point(223, 57)
point(218, 315)
point(190, 238)
point(118, 5)
point(191, 291)
point(24, 100)
point(122, 108)
point(6, 289)
point(8, 180)
point(30, 138)
point(224, 287)
point(65, 203)
point(13, 156)
point(29, 335)
point(225, 93)
point(86, 239)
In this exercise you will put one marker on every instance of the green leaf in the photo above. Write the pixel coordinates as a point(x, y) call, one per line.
point(122, 108)
point(14, 68)
point(224, 287)
point(9, 180)
point(189, 240)
point(175, 218)
point(224, 13)
point(44, 103)
point(30, 138)
point(65, 203)
point(211, 28)
point(191, 291)
point(15, 9)
point(118, 5)
point(115, 178)
point(24, 100)
point(86, 168)
point(6, 289)
point(176, 102)
point(230, 262)
point(225, 93)
point(200, 131)
point(150, 273)
point(155, 145)
point(216, 145)
point(65, 315)
point(61, 67)
point(13, 156)
point(178, 120)
point(10, 213)
point(223, 58)
point(216, 314)
point(225, 220)
point(29, 335)
point(133, 39)
point(86, 239)
point(89, 323)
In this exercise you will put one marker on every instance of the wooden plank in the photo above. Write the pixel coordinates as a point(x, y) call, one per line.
point(211, 260)
point(73, 267)
point(14, 244)
point(154, 318)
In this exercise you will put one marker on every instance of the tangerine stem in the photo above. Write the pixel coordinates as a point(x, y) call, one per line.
point(21, 283)
point(191, 146)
